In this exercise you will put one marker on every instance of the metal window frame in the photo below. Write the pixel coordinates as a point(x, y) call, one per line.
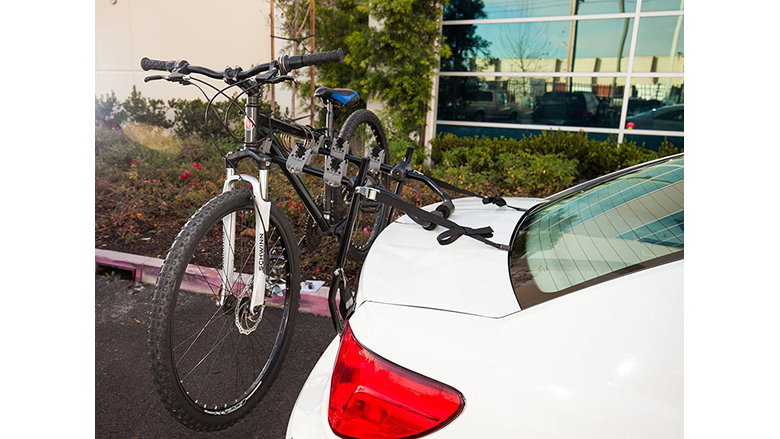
point(628, 75)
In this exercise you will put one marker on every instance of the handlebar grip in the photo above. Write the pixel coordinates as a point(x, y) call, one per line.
point(151, 64)
point(289, 63)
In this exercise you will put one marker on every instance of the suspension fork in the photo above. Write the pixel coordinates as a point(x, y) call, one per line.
point(262, 205)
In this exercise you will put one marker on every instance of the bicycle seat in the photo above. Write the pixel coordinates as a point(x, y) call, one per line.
point(348, 98)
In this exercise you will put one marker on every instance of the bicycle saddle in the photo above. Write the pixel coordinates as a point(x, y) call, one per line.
point(348, 98)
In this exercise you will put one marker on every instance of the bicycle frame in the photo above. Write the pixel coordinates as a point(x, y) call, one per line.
point(262, 145)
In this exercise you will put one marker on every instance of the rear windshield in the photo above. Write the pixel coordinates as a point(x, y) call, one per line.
point(628, 223)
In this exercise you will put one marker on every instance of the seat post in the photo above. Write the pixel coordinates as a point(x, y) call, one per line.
point(329, 118)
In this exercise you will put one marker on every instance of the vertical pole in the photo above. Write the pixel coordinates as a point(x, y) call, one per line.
point(311, 69)
point(273, 56)
point(622, 9)
point(573, 9)
point(571, 36)
point(629, 72)
point(296, 41)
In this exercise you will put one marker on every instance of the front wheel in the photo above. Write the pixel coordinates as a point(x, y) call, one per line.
point(214, 359)
point(364, 131)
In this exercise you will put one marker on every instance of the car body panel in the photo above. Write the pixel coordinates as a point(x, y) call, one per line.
point(606, 361)
point(407, 266)
point(669, 118)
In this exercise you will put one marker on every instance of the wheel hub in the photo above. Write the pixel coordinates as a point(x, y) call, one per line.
point(247, 320)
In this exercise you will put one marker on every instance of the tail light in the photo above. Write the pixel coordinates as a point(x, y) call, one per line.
point(371, 397)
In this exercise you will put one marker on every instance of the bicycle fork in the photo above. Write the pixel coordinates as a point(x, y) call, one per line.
point(262, 206)
point(262, 219)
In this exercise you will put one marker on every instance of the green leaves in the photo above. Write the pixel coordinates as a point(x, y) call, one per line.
point(393, 61)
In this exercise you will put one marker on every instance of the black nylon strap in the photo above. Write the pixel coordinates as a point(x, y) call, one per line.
point(452, 235)
point(498, 201)
point(425, 218)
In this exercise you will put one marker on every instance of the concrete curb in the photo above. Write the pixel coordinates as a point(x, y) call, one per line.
point(144, 269)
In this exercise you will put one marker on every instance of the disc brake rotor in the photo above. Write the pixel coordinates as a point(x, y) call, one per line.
point(246, 321)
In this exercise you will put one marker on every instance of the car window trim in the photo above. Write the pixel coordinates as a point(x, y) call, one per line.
point(528, 294)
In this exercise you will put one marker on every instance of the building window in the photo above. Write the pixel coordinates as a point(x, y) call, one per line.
point(520, 67)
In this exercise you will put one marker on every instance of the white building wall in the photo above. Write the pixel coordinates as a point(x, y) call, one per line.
point(208, 33)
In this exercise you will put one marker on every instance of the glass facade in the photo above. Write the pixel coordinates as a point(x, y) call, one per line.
point(613, 67)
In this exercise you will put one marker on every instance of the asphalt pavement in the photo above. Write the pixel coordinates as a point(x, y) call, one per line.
point(126, 402)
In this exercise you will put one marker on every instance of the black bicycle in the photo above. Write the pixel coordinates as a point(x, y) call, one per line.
point(227, 296)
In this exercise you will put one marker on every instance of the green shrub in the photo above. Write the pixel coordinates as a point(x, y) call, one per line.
point(190, 117)
point(105, 111)
point(137, 108)
point(594, 157)
point(497, 168)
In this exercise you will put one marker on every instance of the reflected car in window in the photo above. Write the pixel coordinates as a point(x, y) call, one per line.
point(566, 108)
point(575, 329)
point(669, 118)
point(493, 106)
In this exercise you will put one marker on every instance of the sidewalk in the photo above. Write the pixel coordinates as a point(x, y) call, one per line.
point(143, 269)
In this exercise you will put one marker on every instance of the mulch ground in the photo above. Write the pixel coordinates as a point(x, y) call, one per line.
point(156, 242)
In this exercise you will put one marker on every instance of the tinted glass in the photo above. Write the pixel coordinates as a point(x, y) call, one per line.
point(586, 102)
point(653, 142)
point(600, 233)
point(662, 5)
point(596, 46)
point(660, 45)
point(463, 9)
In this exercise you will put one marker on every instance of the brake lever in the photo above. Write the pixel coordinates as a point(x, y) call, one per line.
point(279, 79)
point(173, 77)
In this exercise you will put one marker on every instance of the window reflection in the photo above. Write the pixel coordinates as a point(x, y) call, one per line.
point(557, 46)
point(662, 5)
point(575, 102)
point(586, 102)
point(548, 8)
point(660, 45)
point(595, 52)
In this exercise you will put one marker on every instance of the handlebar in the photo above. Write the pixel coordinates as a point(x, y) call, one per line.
point(285, 64)
point(289, 63)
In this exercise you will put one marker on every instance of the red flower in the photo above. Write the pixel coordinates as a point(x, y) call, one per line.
point(184, 175)
point(197, 165)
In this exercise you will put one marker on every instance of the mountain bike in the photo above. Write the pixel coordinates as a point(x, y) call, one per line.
point(226, 299)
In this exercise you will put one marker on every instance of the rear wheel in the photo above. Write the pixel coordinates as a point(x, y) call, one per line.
point(211, 362)
point(364, 131)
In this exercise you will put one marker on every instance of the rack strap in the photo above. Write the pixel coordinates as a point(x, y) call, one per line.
point(498, 201)
point(429, 220)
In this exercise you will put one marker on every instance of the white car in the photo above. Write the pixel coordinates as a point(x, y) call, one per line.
point(577, 331)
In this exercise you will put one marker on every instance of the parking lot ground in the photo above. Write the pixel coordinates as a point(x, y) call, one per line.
point(126, 402)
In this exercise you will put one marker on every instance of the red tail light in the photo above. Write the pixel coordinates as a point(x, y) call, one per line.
point(373, 398)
